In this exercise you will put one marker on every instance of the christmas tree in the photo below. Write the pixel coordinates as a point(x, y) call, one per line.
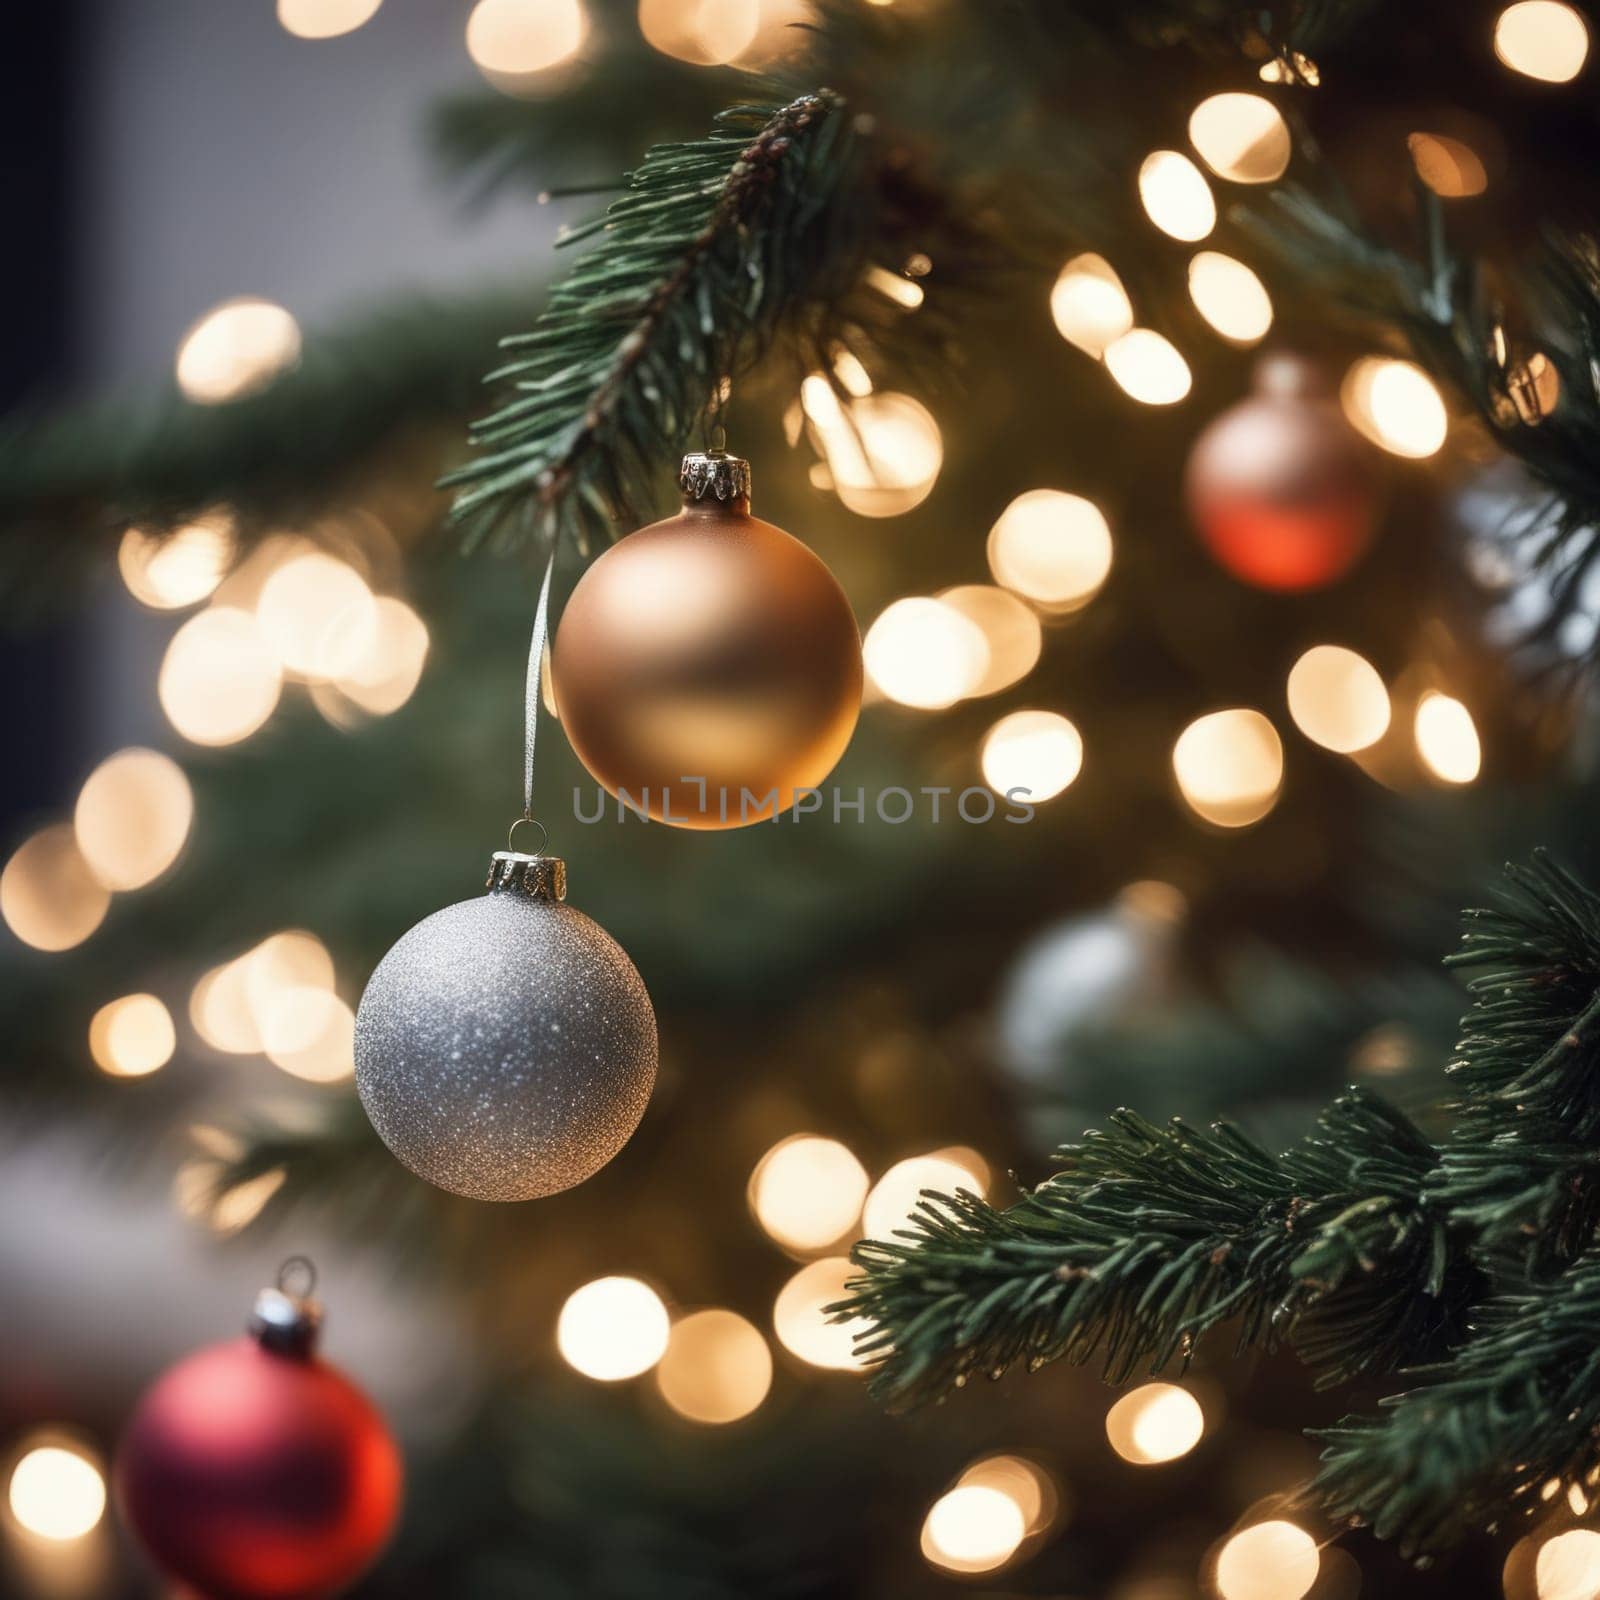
point(1199, 406)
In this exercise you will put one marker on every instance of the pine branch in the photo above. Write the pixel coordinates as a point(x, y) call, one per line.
point(1517, 1408)
point(1151, 1237)
point(1522, 1170)
point(715, 247)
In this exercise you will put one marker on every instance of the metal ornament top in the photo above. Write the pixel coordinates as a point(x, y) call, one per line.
point(540, 877)
point(714, 473)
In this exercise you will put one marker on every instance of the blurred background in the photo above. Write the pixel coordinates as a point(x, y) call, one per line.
point(262, 254)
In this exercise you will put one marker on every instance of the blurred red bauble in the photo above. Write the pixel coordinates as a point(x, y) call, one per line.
point(252, 1470)
point(1282, 489)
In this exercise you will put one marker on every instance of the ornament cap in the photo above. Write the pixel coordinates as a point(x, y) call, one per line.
point(284, 1323)
point(539, 877)
point(714, 474)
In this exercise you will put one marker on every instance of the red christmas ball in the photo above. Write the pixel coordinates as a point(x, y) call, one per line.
point(253, 1470)
point(1283, 491)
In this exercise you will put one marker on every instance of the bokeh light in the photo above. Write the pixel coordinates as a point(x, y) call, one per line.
point(973, 1528)
point(799, 1321)
point(613, 1328)
point(1010, 629)
point(924, 654)
point(319, 617)
point(512, 41)
point(57, 1492)
point(1544, 39)
point(1039, 752)
point(1148, 367)
point(235, 350)
point(49, 895)
point(180, 569)
point(1023, 1481)
point(807, 1192)
point(882, 451)
point(325, 19)
point(1176, 196)
point(704, 32)
point(1051, 548)
point(1396, 405)
point(233, 1209)
point(312, 1035)
point(1337, 699)
point(132, 1037)
point(1448, 166)
point(896, 1195)
point(220, 1011)
point(220, 679)
point(132, 817)
point(1241, 137)
point(780, 33)
point(1230, 297)
point(1447, 738)
point(1155, 1423)
point(717, 1367)
point(1269, 1561)
point(382, 679)
point(1229, 766)
point(1567, 1566)
point(278, 999)
point(1089, 304)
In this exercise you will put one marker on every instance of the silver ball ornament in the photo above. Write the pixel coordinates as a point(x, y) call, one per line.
point(506, 1047)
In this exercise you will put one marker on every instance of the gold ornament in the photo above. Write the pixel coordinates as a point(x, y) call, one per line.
point(708, 668)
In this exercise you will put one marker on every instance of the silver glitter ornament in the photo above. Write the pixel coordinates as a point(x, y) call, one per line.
point(506, 1047)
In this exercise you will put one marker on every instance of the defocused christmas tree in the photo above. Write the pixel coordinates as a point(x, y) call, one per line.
point(1282, 649)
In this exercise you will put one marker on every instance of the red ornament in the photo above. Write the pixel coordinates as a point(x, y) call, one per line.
point(1283, 490)
point(253, 1470)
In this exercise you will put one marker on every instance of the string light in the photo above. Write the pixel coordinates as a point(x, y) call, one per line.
point(1296, 68)
point(49, 895)
point(132, 1037)
point(1337, 699)
point(1448, 167)
point(1009, 628)
point(1023, 1481)
point(321, 1036)
point(1270, 1561)
point(896, 1196)
point(235, 1208)
point(1447, 738)
point(236, 349)
point(973, 1528)
point(220, 679)
point(325, 19)
point(1148, 368)
point(1544, 39)
point(1395, 404)
point(132, 817)
point(894, 286)
point(278, 998)
point(181, 569)
point(1089, 304)
point(780, 33)
point(1176, 196)
point(924, 654)
point(800, 1321)
point(1567, 1566)
point(707, 33)
point(717, 1367)
point(807, 1192)
point(57, 1492)
point(1230, 297)
point(612, 1328)
point(1229, 766)
point(1241, 137)
point(386, 676)
point(1051, 548)
point(1037, 752)
point(511, 41)
point(1155, 1423)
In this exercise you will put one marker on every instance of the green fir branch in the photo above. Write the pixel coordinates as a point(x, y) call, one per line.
point(1516, 1409)
point(715, 247)
point(1150, 1238)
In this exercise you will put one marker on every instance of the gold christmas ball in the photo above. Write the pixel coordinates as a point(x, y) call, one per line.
point(708, 667)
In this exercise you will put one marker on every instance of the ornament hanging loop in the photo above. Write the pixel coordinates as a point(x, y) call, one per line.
point(532, 822)
point(297, 1277)
point(532, 692)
